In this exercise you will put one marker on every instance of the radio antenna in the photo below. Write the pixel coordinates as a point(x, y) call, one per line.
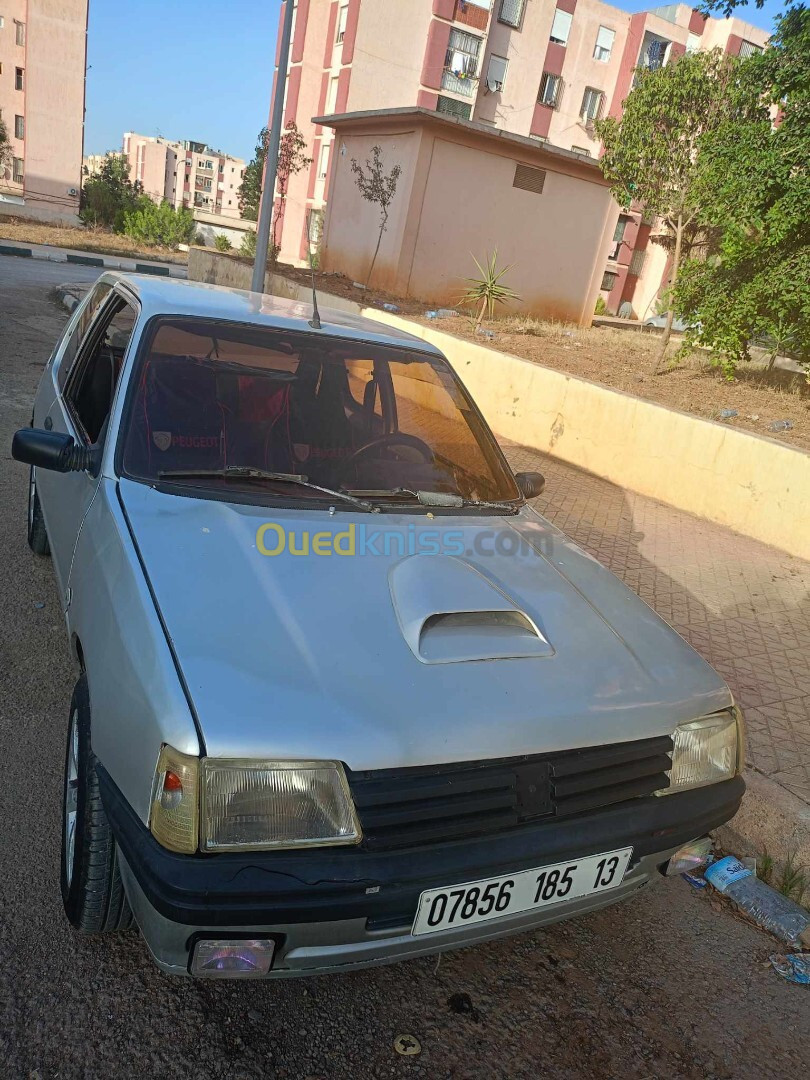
point(315, 321)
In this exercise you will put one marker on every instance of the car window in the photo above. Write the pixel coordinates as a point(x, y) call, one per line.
point(97, 297)
point(211, 396)
point(90, 392)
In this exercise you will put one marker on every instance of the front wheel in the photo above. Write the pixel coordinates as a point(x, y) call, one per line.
point(37, 534)
point(92, 890)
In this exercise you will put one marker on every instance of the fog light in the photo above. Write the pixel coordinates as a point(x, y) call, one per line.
point(690, 857)
point(229, 958)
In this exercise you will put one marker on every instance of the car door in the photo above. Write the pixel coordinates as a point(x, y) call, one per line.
point(81, 410)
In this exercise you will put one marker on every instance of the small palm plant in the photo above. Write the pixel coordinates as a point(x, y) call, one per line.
point(488, 290)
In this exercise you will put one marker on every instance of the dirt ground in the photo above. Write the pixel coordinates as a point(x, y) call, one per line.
point(23, 231)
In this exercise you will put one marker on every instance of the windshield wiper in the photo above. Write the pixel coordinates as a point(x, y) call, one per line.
point(246, 472)
point(442, 499)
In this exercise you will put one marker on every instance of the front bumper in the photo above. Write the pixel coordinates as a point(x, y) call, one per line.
point(337, 908)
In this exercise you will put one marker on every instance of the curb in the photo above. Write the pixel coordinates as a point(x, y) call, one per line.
point(771, 819)
point(100, 261)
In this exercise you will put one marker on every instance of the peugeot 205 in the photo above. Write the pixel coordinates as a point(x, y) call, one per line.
point(343, 696)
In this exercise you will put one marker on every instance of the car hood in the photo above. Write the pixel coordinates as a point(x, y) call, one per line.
point(509, 641)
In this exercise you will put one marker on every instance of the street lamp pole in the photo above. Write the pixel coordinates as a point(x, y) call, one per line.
point(271, 161)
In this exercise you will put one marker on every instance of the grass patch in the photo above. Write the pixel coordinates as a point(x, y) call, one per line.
point(99, 241)
point(791, 879)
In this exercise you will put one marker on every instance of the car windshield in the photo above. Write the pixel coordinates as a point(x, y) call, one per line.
point(225, 404)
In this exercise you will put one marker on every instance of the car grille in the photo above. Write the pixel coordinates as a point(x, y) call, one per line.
point(432, 804)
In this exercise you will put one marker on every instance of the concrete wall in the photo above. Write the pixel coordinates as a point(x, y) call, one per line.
point(455, 200)
point(754, 485)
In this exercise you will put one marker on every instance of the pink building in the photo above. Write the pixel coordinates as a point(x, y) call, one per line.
point(42, 68)
point(185, 173)
point(536, 68)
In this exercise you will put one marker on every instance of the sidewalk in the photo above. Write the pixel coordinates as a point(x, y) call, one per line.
point(90, 258)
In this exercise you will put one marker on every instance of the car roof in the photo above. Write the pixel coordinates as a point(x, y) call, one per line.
point(174, 296)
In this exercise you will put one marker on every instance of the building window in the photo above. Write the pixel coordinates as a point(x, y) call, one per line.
point(654, 52)
point(583, 151)
point(592, 102)
point(323, 165)
point(19, 127)
point(461, 63)
point(604, 44)
point(332, 93)
point(528, 179)
point(451, 107)
point(2, 22)
point(19, 32)
point(511, 12)
point(747, 48)
point(496, 73)
point(608, 281)
point(693, 43)
point(18, 170)
point(343, 15)
point(19, 78)
point(637, 263)
point(619, 231)
point(550, 90)
point(561, 27)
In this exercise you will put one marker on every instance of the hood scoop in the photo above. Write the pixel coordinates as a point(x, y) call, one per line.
point(449, 612)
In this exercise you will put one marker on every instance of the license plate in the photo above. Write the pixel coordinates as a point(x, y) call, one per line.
point(494, 898)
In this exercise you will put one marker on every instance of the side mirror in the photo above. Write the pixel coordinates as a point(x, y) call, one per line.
point(52, 450)
point(531, 484)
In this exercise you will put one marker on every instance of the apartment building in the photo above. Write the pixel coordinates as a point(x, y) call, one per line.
point(42, 72)
point(185, 173)
point(546, 69)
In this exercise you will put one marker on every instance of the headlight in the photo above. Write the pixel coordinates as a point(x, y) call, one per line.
point(255, 805)
point(705, 752)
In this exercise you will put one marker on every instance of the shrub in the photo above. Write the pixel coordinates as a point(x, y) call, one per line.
point(248, 245)
point(159, 224)
point(601, 306)
point(222, 243)
point(488, 289)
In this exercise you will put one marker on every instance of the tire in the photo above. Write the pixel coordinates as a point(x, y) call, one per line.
point(92, 890)
point(37, 534)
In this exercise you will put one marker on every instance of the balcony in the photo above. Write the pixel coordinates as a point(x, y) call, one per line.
point(473, 13)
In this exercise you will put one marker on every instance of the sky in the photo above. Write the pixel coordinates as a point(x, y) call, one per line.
point(203, 70)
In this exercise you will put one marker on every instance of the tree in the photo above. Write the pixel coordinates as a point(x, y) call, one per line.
point(5, 146)
point(109, 194)
point(651, 152)
point(159, 224)
point(754, 188)
point(291, 160)
point(379, 189)
point(249, 192)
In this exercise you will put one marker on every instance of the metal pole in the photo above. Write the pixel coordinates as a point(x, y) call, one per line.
point(271, 162)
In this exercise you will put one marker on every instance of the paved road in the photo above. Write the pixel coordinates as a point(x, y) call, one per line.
point(665, 985)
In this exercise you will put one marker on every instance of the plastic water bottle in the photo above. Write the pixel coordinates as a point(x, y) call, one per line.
point(767, 907)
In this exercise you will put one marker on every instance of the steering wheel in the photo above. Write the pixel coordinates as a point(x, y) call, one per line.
point(396, 438)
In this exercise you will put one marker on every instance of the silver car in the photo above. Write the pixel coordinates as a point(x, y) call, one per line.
point(344, 697)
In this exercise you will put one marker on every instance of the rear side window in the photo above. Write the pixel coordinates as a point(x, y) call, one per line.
point(77, 336)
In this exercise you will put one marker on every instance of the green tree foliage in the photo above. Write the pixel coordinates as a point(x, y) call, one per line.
point(248, 245)
point(754, 187)
point(249, 192)
point(5, 145)
point(159, 224)
point(651, 152)
point(379, 188)
point(222, 243)
point(108, 195)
